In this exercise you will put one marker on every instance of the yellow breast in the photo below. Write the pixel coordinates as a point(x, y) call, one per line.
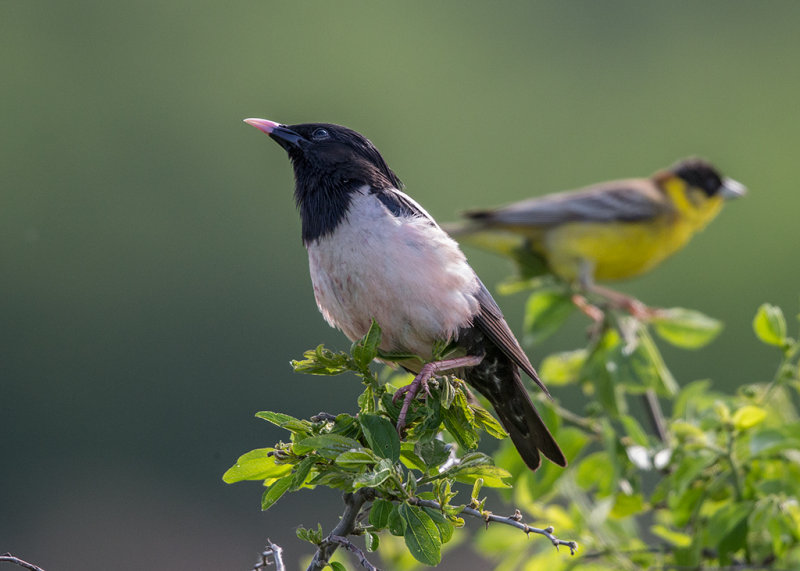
point(622, 250)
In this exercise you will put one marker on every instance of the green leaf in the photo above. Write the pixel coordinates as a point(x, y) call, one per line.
point(386, 404)
point(626, 505)
point(410, 459)
point(396, 523)
point(770, 325)
point(433, 452)
point(381, 435)
point(458, 421)
point(562, 368)
point(484, 420)
point(634, 364)
point(372, 541)
point(594, 471)
point(336, 566)
point(688, 398)
point(376, 477)
point(366, 400)
point(725, 521)
point(365, 349)
point(275, 491)
point(443, 350)
point(545, 311)
point(769, 441)
point(649, 368)
point(322, 361)
point(687, 472)
point(301, 472)
point(354, 459)
point(684, 505)
point(448, 393)
point(379, 513)
point(310, 535)
point(398, 357)
point(472, 459)
point(333, 478)
point(492, 476)
point(346, 425)
point(327, 445)
point(430, 415)
point(277, 418)
point(290, 423)
point(676, 538)
point(444, 525)
point(764, 514)
point(461, 403)
point(255, 465)
point(634, 430)
point(686, 328)
point(599, 373)
point(476, 488)
point(410, 483)
point(421, 535)
point(732, 543)
point(748, 416)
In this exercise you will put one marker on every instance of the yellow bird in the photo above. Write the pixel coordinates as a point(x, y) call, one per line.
point(609, 231)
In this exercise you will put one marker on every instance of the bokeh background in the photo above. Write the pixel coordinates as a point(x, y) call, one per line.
point(153, 286)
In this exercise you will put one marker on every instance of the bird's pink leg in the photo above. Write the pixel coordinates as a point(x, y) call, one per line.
point(428, 371)
point(616, 299)
point(592, 311)
point(627, 303)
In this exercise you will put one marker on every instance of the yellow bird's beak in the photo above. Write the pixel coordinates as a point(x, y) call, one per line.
point(732, 188)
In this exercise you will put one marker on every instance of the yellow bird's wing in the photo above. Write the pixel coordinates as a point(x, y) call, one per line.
point(626, 200)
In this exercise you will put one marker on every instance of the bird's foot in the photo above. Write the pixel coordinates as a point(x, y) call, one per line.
point(615, 300)
point(425, 374)
point(411, 391)
point(633, 306)
point(590, 310)
point(593, 312)
point(641, 311)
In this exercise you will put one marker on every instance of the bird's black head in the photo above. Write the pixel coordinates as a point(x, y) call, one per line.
point(332, 152)
point(699, 174)
point(330, 163)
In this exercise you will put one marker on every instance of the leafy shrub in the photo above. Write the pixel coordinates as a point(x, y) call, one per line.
point(713, 483)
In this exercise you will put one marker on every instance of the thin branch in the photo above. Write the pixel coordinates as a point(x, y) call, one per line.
point(276, 552)
point(566, 415)
point(8, 558)
point(737, 484)
point(362, 558)
point(353, 503)
point(512, 520)
point(653, 408)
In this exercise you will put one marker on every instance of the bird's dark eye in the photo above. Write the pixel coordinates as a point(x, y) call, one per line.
point(320, 133)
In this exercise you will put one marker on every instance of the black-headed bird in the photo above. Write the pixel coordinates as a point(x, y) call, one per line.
point(609, 231)
point(374, 253)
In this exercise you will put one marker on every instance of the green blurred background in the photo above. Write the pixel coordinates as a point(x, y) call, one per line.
point(153, 286)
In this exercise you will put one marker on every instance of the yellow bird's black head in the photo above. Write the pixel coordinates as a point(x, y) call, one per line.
point(700, 174)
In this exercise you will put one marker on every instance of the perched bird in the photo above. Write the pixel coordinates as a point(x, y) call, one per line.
point(609, 231)
point(374, 253)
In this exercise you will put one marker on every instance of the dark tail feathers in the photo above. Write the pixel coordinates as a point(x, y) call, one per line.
point(498, 379)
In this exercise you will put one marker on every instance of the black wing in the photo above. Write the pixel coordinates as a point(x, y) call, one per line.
point(491, 322)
